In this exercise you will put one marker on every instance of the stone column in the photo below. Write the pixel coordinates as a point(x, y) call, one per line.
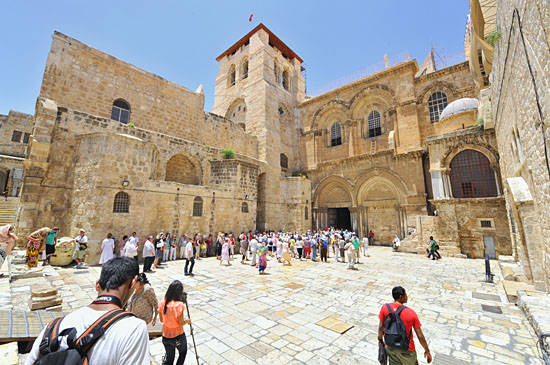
point(353, 216)
point(447, 184)
point(494, 167)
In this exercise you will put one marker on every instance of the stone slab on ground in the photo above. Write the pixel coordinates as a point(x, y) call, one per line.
point(536, 306)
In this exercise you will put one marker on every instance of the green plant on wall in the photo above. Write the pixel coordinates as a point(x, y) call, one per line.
point(493, 38)
point(480, 122)
point(131, 125)
point(228, 153)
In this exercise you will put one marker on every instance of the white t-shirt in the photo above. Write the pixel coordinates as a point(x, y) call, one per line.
point(148, 247)
point(189, 250)
point(253, 245)
point(81, 239)
point(130, 249)
point(126, 342)
point(134, 240)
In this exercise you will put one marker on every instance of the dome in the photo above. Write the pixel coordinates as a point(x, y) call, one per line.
point(459, 106)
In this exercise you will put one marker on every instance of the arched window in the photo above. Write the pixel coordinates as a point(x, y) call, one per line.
point(232, 75)
point(335, 134)
point(472, 176)
point(284, 161)
point(436, 104)
point(244, 208)
point(197, 207)
point(374, 124)
point(306, 214)
point(245, 69)
point(276, 72)
point(286, 81)
point(121, 203)
point(121, 111)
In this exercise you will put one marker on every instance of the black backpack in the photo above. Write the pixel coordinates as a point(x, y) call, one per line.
point(77, 352)
point(395, 333)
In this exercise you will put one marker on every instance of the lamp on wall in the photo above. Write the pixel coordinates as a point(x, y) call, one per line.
point(246, 196)
point(125, 183)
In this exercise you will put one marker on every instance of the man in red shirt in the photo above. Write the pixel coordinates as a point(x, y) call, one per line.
point(398, 356)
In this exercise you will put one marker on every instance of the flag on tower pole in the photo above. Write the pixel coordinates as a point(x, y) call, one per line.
point(251, 15)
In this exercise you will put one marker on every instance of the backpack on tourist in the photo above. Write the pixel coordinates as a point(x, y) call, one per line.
point(77, 351)
point(395, 333)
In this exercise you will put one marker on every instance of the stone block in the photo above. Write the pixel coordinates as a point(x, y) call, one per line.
point(45, 302)
point(41, 291)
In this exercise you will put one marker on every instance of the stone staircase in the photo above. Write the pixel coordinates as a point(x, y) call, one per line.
point(8, 210)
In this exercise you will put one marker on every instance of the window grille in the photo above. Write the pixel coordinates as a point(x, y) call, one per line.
point(121, 203)
point(245, 69)
point(197, 207)
point(284, 161)
point(335, 134)
point(472, 176)
point(16, 136)
point(485, 223)
point(436, 104)
point(232, 75)
point(121, 111)
point(375, 129)
point(244, 208)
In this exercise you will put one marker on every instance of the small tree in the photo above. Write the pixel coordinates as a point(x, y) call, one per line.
point(228, 153)
point(493, 38)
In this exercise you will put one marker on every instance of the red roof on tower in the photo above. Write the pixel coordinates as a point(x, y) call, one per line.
point(273, 39)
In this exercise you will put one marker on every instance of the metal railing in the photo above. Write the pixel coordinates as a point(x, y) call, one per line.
point(392, 61)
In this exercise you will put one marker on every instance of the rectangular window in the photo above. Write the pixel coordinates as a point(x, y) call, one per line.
point(485, 224)
point(16, 136)
point(26, 137)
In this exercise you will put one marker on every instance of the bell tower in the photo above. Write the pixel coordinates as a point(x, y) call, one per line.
point(259, 86)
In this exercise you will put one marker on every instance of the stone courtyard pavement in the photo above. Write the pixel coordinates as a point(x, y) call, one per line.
point(295, 314)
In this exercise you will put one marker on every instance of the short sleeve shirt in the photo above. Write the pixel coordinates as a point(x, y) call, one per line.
point(170, 324)
point(409, 317)
point(50, 238)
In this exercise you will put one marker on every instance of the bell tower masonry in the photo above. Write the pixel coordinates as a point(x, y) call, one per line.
point(259, 86)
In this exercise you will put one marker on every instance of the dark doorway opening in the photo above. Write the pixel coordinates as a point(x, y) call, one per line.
point(340, 218)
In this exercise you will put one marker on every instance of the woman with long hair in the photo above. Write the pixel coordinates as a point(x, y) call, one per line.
point(144, 303)
point(159, 246)
point(171, 311)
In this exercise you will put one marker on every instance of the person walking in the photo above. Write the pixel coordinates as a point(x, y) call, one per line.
point(181, 244)
point(356, 247)
point(286, 252)
point(148, 254)
point(324, 248)
point(398, 356)
point(81, 249)
point(225, 252)
point(144, 303)
point(219, 244)
point(107, 249)
point(307, 247)
point(434, 247)
point(342, 248)
point(262, 261)
point(171, 311)
point(300, 247)
point(189, 257)
point(350, 253)
point(366, 246)
point(243, 247)
point(51, 241)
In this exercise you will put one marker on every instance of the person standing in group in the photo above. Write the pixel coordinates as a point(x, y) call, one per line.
point(279, 248)
point(314, 246)
point(434, 247)
point(253, 246)
point(181, 244)
point(225, 252)
point(51, 241)
point(130, 249)
point(231, 246)
point(243, 247)
point(144, 303)
point(262, 260)
point(300, 247)
point(219, 245)
point(203, 247)
point(371, 237)
point(350, 253)
point(173, 247)
point(286, 252)
point(116, 346)
point(159, 246)
point(107, 249)
point(171, 311)
point(36, 240)
point(356, 247)
point(307, 247)
point(341, 248)
point(324, 247)
point(148, 254)
point(166, 251)
point(189, 257)
point(135, 240)
point(210, 246)
point(399, 356)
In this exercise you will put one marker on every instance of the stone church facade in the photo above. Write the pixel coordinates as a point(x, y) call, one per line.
point(115, 149)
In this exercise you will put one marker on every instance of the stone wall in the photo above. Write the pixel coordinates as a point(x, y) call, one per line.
point(521, 109)
point(79, 162)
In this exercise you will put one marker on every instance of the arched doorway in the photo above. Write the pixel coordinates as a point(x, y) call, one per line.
point(181, 169)
point(332, 204)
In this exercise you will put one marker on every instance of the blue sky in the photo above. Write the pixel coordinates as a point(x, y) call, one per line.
point(179, 40)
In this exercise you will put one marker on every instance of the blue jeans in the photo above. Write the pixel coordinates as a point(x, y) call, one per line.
point(313, 253)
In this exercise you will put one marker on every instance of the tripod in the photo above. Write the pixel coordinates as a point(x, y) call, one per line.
point(191, 326)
